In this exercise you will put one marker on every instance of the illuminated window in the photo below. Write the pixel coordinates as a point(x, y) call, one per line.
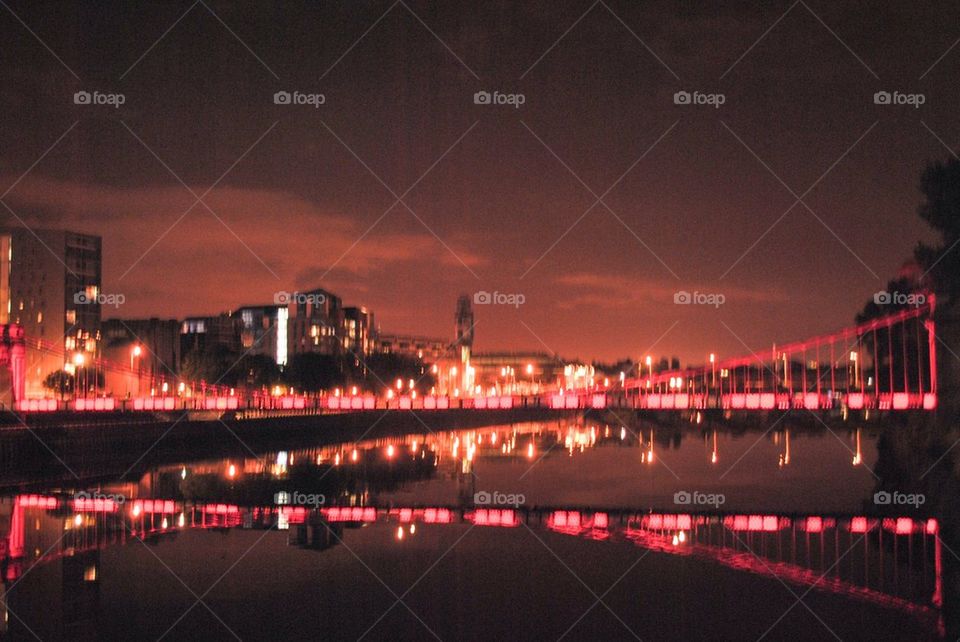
point(90, 574)
point(71, 316)
point(39, 317)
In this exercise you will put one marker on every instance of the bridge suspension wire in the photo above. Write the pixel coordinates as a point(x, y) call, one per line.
point(882, 363)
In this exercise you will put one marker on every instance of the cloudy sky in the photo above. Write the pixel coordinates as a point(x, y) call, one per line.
point(597, 199)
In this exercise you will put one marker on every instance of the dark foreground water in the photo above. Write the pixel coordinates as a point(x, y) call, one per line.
point(566, 529)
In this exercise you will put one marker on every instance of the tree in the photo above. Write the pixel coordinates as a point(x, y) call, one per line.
point(256, 371)
point(940, 186)
point(60, 382)
point(214, 364)
point(378, 372)
point(311, 372)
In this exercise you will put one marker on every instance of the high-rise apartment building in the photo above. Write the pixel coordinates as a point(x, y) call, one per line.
point(50, 284)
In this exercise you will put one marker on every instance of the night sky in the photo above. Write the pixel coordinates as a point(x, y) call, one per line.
point(493, 197)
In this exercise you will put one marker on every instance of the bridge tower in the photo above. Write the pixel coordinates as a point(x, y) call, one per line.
point(464, 341)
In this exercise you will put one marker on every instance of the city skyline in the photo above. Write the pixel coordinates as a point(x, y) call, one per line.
point(498, 194)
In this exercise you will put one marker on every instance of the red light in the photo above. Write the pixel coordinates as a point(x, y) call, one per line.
point(932, 526)
point(859, 525)
point(904, 526)
point(600, 520)
point(814, 524)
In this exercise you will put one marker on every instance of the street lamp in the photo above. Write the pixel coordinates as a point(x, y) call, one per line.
point(78, 360)
point(135, 354)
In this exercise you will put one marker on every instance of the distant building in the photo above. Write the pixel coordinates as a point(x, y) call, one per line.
point(264, 330)
point(520, 372)
point(202, 333)
point(464, 322)
point(50, 283)
point(315, 322)
point(149, 347)
point(427, 349)
point(359, 331)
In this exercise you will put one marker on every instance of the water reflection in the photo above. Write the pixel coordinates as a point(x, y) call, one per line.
point(593, 483)
point(891, 562)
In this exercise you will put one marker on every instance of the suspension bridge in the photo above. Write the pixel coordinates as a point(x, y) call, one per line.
point(885, 364)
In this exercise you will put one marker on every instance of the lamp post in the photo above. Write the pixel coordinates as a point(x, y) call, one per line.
point(78, 360)
point(135, 354)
